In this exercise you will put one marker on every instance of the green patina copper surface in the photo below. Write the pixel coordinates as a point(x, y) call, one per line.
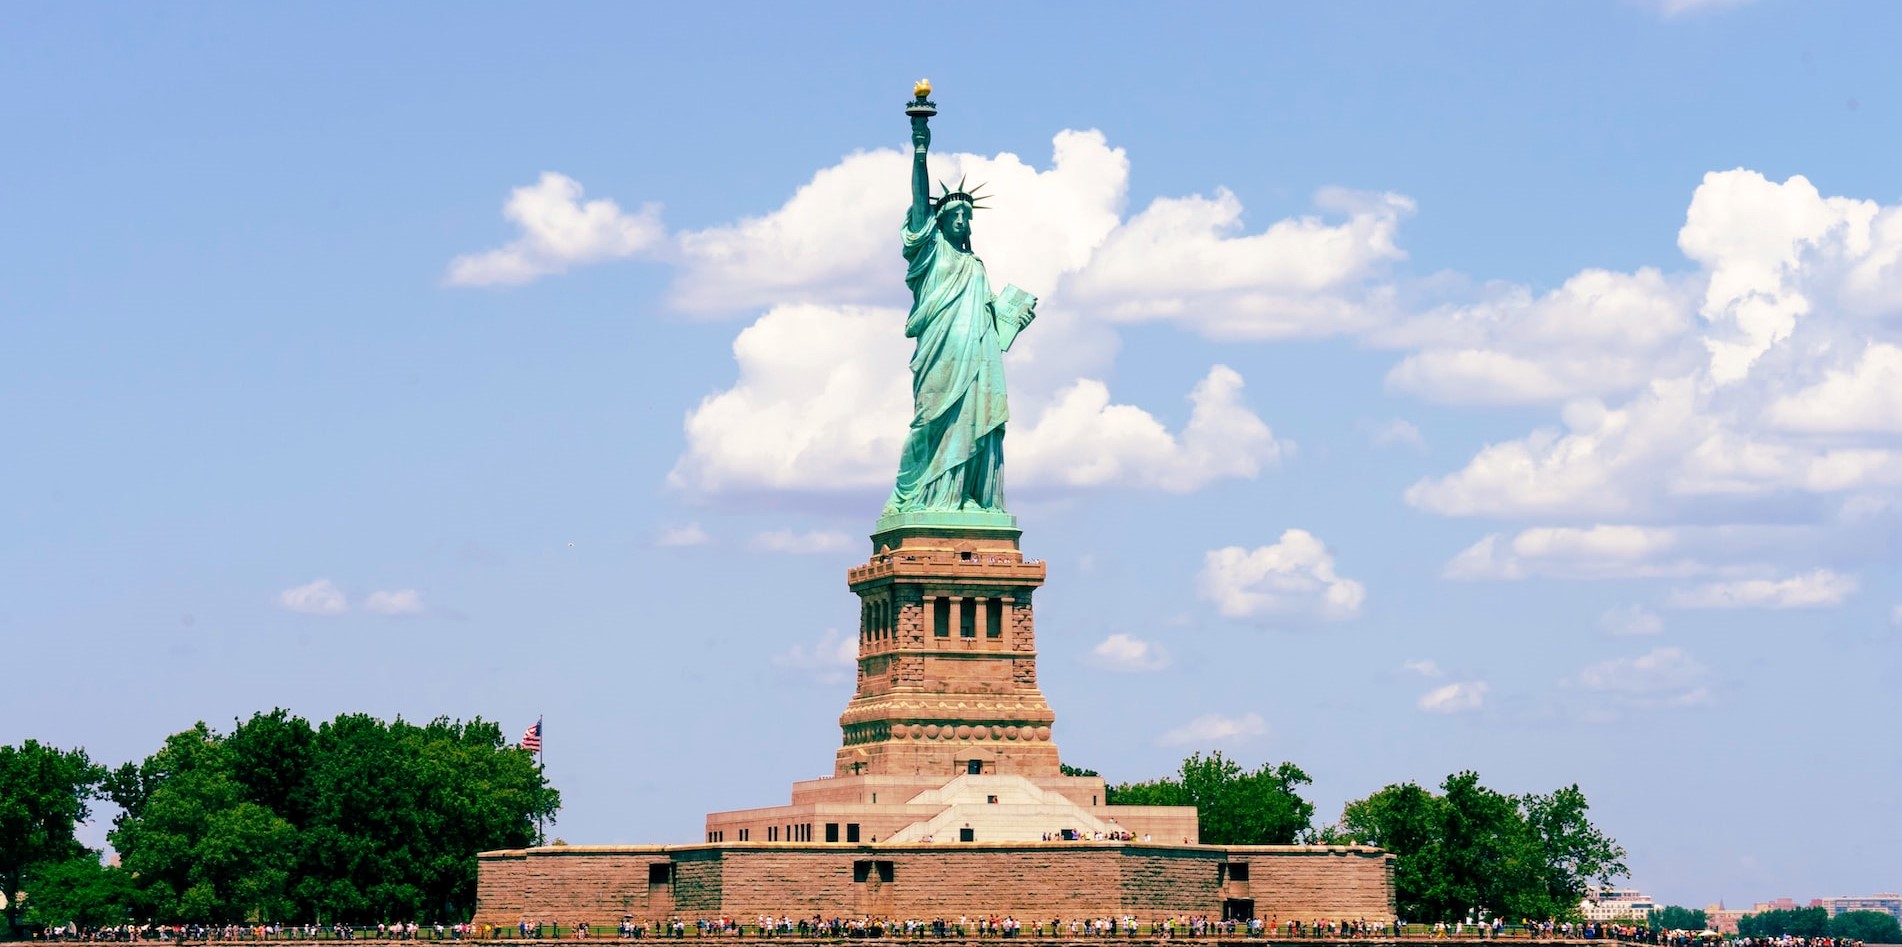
point(951, 471)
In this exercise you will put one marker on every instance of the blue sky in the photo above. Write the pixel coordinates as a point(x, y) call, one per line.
point(1416, 388)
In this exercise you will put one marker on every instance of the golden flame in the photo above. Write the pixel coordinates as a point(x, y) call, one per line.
point(921, 88)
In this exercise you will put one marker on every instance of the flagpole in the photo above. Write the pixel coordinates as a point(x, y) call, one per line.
point(541, 773)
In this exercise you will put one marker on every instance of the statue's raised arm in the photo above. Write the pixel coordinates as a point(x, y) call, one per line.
point(951, 472)
point(920, 147)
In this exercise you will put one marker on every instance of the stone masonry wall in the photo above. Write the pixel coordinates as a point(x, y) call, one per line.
point(501, 878)
point(793, 881)
point(699, 883)
point(600, 884)
point(1339, 883)
point(1156, 881)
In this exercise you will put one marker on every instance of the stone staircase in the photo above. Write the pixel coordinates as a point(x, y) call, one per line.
point(1023, 812)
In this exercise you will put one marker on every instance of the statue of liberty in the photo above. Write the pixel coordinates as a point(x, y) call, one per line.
point(953, 459)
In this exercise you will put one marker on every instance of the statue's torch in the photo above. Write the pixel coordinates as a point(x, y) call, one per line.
point(921, 109)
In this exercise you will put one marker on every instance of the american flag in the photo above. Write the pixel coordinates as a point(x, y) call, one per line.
point(532, 738)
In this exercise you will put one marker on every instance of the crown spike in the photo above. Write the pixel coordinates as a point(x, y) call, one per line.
point(951, 195)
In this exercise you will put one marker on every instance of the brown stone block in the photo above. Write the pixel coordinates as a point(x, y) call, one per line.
point(1028, 881)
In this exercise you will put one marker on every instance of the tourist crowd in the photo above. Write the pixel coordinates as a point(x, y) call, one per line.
point(1075, 835)
point(960, 928)
point(1641, 935)
point(202, 933)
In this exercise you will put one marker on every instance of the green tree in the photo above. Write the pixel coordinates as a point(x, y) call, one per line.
point(1573, 854)
point(1487, 854)
point(1799, 922)
point(272, 756)
point(355, 820)
point(1233, 806)
point(201, 850)
point(1675, 918)
point(401, 811)
point(79, 891)
point(43, 795)
point(1406, 820)
point(1470, 849)
point(1870, 927)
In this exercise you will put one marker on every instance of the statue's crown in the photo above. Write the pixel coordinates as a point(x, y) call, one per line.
point(954, 195)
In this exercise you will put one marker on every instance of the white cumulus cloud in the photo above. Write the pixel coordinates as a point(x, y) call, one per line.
point(1646, 460)
point(1782, 392)
point(1591, 469)
point(1761, 244)
point(1122, 652)
point(688, 535)
point(1295, 576)
point(1570, 552)
point(1395, 432)
point(1820, 588)
point(1862, 396)
point(321, 597)
point(1662, 677)
point(1631, 620)
point(1600, 333)
point(1425, 668)
point(832, 659)
point(558, 231)
point(809, 543)
point(1456, 698)
point(822, 403)
point(1184, 259)
point(1210, 729)
point(1082, 440)
point(395, 603)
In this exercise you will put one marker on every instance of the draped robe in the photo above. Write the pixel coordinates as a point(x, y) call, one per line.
point(954, 451)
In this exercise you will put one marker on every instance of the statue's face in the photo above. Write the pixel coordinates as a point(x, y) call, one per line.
point(956, 221)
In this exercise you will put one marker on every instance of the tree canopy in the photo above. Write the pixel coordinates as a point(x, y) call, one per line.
point(1798, 922)
point(43, 795)
point(1675, 918)
point(1261, 806)
point(353, 820)
point(80, 891)
point(1471, 850)
point(1870, 927)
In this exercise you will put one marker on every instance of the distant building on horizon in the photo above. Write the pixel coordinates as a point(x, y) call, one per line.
point(1724, 920)
point(1721, 919)
point(1617, 904)
point(1889, 903)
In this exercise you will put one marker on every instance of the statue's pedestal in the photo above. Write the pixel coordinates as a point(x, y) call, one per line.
point(947, 737)
point(947, 681)
point(946, 522)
